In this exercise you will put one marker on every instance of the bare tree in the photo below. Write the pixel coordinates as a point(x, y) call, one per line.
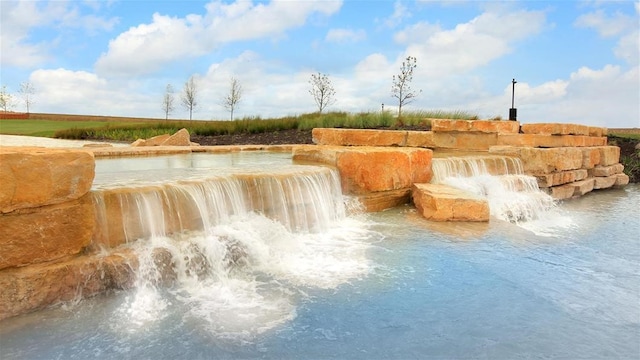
point(6, 99)
point(168, 101)
point(27, 92)
point(322, 91)
point(233, 97)
point(190, 96)
point(401, 86)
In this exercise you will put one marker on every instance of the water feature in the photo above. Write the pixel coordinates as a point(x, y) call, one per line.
point(387, 285)
point(512, 195)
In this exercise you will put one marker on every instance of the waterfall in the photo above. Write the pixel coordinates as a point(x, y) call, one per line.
point(512, 195)
point(235, 249)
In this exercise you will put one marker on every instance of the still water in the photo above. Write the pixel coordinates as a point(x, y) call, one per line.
point(388, 285)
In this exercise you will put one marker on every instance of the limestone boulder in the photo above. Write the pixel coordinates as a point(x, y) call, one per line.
point(555, 129)
point(421, 139)
point(382, 200)
point(157, 140)
point(549, 141)
point(590, 157)
point(33, 177)
point(34, 287)
point(607, 170)
point(605, 182)
point(46, 233)
point(543, 161)
point(560, 178)
point(366, 169)
point(180, 138)
point(358, 137)
point(609, 155)
point(561, 192)
point(621, 180)
point(443, 203)
point(479, 126)
point(582, 187)
point(465, 140)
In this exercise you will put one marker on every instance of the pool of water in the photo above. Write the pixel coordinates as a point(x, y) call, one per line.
point(146, 170)
point(388, 285)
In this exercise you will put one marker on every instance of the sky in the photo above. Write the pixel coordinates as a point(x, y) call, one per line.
point(573, 61)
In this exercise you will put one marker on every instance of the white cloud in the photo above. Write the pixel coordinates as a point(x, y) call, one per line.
point(470, 45)
point(18, 18)
point(400, 13)
point(606, 25)
point(147, 47)
point(345, 35)
point(628, 48)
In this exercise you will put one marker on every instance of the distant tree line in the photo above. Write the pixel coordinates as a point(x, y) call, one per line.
point(322, 92)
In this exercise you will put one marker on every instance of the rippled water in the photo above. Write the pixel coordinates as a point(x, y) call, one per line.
point(388, 285)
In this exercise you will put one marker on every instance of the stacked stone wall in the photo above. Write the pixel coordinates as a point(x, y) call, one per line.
point(567, 159)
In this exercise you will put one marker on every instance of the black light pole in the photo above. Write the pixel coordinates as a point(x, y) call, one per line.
point(513, 112)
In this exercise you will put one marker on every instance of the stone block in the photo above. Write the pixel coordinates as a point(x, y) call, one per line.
point(382, 169)
point(157, 140)
point(423, 139)
point(560, 178)
point(541, 160)
point(180, 138)
point(47, 233)
point(366, 169)
point(358, 137)
point(555, 129)
point(465, 140)
point(561, 192)
point(582, 187)
point(547, 141)
point(590, 157)
point(609, 155)
point(38, 286)
point(605, 182)
point(479, 126)
point(443, 203)
point(607, 170)
point(621, 180)
point(382, 200)
point(33, 177)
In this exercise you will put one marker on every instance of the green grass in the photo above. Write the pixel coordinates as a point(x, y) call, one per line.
point(130, 129)
point(44, 128)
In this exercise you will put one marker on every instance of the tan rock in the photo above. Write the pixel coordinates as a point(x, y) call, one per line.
point(582, 187)
point(465, 140)
point(423, 139)
point(366, 169)
point(443, 203)
point(605, 182)
point(561, 192)
point(38, 286)
point(555, 129)
point(157, 140)
point(180, 138)
point(548, 141)
point(480, 126)
point(97, 145)
point(139, 142)
point(47, 233)
point(33, 177)
point(609, 155)
point(382, 200)
point(358, 137)
point(590, 157)
point(543, 161)
point(560, 178)
point(607, 170)
point(621, 180)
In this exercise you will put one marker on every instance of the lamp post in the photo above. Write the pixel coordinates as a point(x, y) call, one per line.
point(513, 112)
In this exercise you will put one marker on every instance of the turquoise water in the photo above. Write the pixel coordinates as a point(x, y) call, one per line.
point(388, 285)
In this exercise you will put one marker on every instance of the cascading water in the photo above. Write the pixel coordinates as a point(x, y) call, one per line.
point(512, 195)
point(229, 249)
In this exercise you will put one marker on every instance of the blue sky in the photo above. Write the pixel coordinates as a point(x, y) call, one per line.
point(575, 61)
